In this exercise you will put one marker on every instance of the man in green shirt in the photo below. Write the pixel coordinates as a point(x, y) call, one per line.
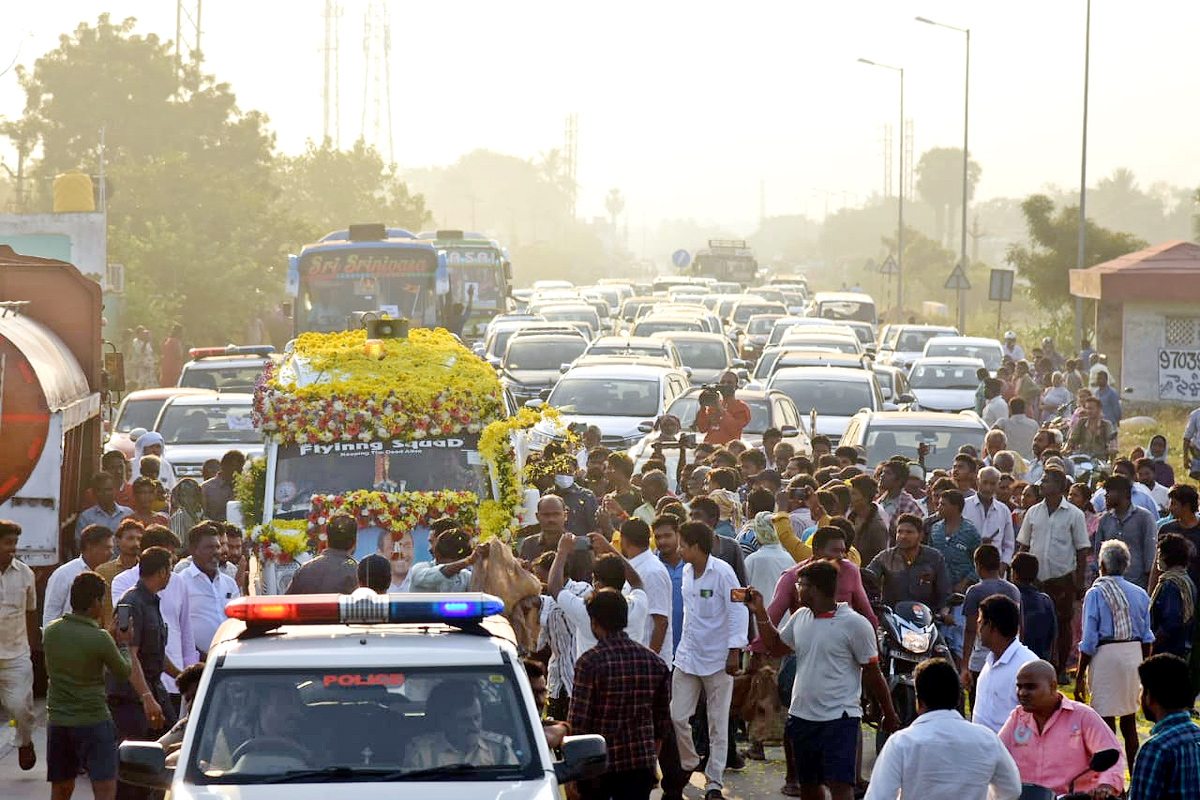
point(80, 732)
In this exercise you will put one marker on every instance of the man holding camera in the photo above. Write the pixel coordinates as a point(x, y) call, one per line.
point(722, 417)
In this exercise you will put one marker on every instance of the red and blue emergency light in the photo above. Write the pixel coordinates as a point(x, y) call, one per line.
point(232, 350)
point(365, 607)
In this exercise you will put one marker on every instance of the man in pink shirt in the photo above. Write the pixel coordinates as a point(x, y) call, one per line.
point(828, 544)
point(1053, 739)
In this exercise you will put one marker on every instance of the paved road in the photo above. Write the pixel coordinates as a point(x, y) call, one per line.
point(760, 780)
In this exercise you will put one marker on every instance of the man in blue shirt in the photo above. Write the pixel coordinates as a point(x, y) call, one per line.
point(1110, 401)
point(956, 539)
point(1168, 765)
point(666, 537)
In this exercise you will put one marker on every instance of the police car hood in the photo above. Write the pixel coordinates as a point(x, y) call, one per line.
point(540, 789)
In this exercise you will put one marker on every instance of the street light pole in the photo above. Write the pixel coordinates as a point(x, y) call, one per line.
point(1081, 237)
point(900, 214)
point(962, 311)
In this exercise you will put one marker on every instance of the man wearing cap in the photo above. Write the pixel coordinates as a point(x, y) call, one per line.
point(1011, 348)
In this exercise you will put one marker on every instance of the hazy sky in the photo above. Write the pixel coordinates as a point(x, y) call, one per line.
point(687, 106)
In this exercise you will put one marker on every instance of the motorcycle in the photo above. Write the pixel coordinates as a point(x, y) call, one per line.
point(1090, 470)
point(1101, 761)
point(908, 635)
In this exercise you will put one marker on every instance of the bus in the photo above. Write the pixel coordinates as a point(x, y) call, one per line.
point(364, 269)
point(726, 260)
point(475, 261)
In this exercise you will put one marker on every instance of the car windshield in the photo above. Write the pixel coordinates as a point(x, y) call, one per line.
point(837, 398)
point(138, 414)
point(344, 724)
point(686, 407)
point(761, 325)
point(226, 423)
point(628, 350)
point(699, 354)
point(914, 341)
point(606, 397)
point(933, 376)
point(587, 316)
point(863, 310)
point(500, 341)
point(884, 441)
point(631, 308)
point(542, 354)
point(990, 355)
point(649, 326)
point(745, 311)
point(428, 465)
point(229, 377)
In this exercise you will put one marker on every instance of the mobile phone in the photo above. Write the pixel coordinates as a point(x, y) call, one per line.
point(124, 616)
point(582, 544)
point(737, 595)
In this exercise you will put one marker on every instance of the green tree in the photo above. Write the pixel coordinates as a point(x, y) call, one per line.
point(326, 189)
point(1051, 251)
point(614, 204)
point(939, 183)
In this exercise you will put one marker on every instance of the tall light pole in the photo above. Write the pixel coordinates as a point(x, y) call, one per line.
point(962, 312)
point(1081, 236)
point(900, 221)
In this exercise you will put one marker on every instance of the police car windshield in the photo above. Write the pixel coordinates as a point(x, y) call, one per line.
point(341, 724)
point(429, 465)
point(228, 375)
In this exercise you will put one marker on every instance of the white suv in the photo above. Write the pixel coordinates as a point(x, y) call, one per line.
point(353, 692)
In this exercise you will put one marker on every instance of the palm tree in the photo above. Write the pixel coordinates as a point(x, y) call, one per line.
point(614, 203)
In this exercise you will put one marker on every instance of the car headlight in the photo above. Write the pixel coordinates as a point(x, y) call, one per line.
point(915, 642)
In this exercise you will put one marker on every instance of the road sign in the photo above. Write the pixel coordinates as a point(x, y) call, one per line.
point(870, 266)
point(681, 258)
point(958, 279)
point(1000, 286)
point(889, 267)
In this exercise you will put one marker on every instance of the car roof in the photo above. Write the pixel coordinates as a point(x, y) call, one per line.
point(741, 394)
point(626, 341)
point(216, 362)
point(618, 359)
point(814, 336)
point(823, 373)
point(965, 340)
point(546, 329)
point(211, 398)
point(606, 368)
point(903, 328)
point(701, 335)
point(164, 392)
point(569, 307)
point(854, 297)
point(919, 418)
point(949, 361)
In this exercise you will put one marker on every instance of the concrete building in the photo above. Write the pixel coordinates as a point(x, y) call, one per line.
point(1148, 320)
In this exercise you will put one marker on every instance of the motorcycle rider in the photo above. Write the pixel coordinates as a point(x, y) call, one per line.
point(910, 570)
point(1093, 435)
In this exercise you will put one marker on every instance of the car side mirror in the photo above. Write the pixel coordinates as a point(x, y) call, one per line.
point(907, 397)
point(544, 394)
point(743, 375)
point(741, 363)
point(645, 426)
point(534, 403)
point(687, 371)
point(584, 758)
point(788, 431)
point(144, 764)
point(494, 361)
point(564, 368)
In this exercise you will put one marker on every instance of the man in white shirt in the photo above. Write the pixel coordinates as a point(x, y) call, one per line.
point(96, 547)
point(635, 547)
point(994, 409)
point(208, 589)
point(1011, 348)
point(714, 633)
point(1146, 477)
point(999, 621)
point(1019, 427)
point(990, 517)
point(610, 571)
point(173, 605)
point(941, 756)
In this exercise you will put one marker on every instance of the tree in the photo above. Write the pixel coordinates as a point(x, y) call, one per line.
point(939, 183)
point(614, 204)
point(1051, 252)
point(326, 189)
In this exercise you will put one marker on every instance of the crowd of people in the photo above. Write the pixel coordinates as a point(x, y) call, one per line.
point(732, 598)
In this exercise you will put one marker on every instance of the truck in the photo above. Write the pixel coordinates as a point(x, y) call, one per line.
point(726, 260)
point(397, 427)
point(51, 382)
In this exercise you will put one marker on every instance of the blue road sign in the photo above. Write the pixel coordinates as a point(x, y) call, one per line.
point(681, 258)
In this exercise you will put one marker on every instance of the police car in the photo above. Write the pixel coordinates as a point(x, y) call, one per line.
point(226, 369)
point(402, 695)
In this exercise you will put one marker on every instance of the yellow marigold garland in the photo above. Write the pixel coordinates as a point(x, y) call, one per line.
point(498, 518)
point(280, 540)
point(397, 512)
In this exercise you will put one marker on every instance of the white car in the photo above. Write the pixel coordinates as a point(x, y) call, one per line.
point(987, 350)
point(901, 345)
point(835, 393)
point(226, 369)
point(945, 384)
point(707, 355)
point(901, 433)
point(307, 696)
point(196, 428)
point(623, 399)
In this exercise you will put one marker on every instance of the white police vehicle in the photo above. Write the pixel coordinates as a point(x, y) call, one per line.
point(381, 696)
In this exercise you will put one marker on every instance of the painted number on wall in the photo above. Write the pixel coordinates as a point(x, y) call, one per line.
point(1179, 374)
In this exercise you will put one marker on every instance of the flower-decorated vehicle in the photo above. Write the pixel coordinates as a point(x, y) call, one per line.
point(396, 432)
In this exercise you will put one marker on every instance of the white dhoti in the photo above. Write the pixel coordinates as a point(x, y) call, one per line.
point(1113, 679)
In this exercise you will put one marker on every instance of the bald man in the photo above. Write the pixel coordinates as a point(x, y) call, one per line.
point(552, 522)
point(1053, 738)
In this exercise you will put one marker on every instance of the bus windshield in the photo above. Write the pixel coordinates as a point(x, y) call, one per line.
point(478, 268)
point(334, 284)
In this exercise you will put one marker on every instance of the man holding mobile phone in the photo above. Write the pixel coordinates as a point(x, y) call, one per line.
point(139, 705)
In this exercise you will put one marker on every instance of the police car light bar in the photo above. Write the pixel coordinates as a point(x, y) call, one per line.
point(364, 607)
point(232, 350)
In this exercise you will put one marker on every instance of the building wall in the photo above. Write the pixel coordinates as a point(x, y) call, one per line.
point(1160, 358)
point(42, 235)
